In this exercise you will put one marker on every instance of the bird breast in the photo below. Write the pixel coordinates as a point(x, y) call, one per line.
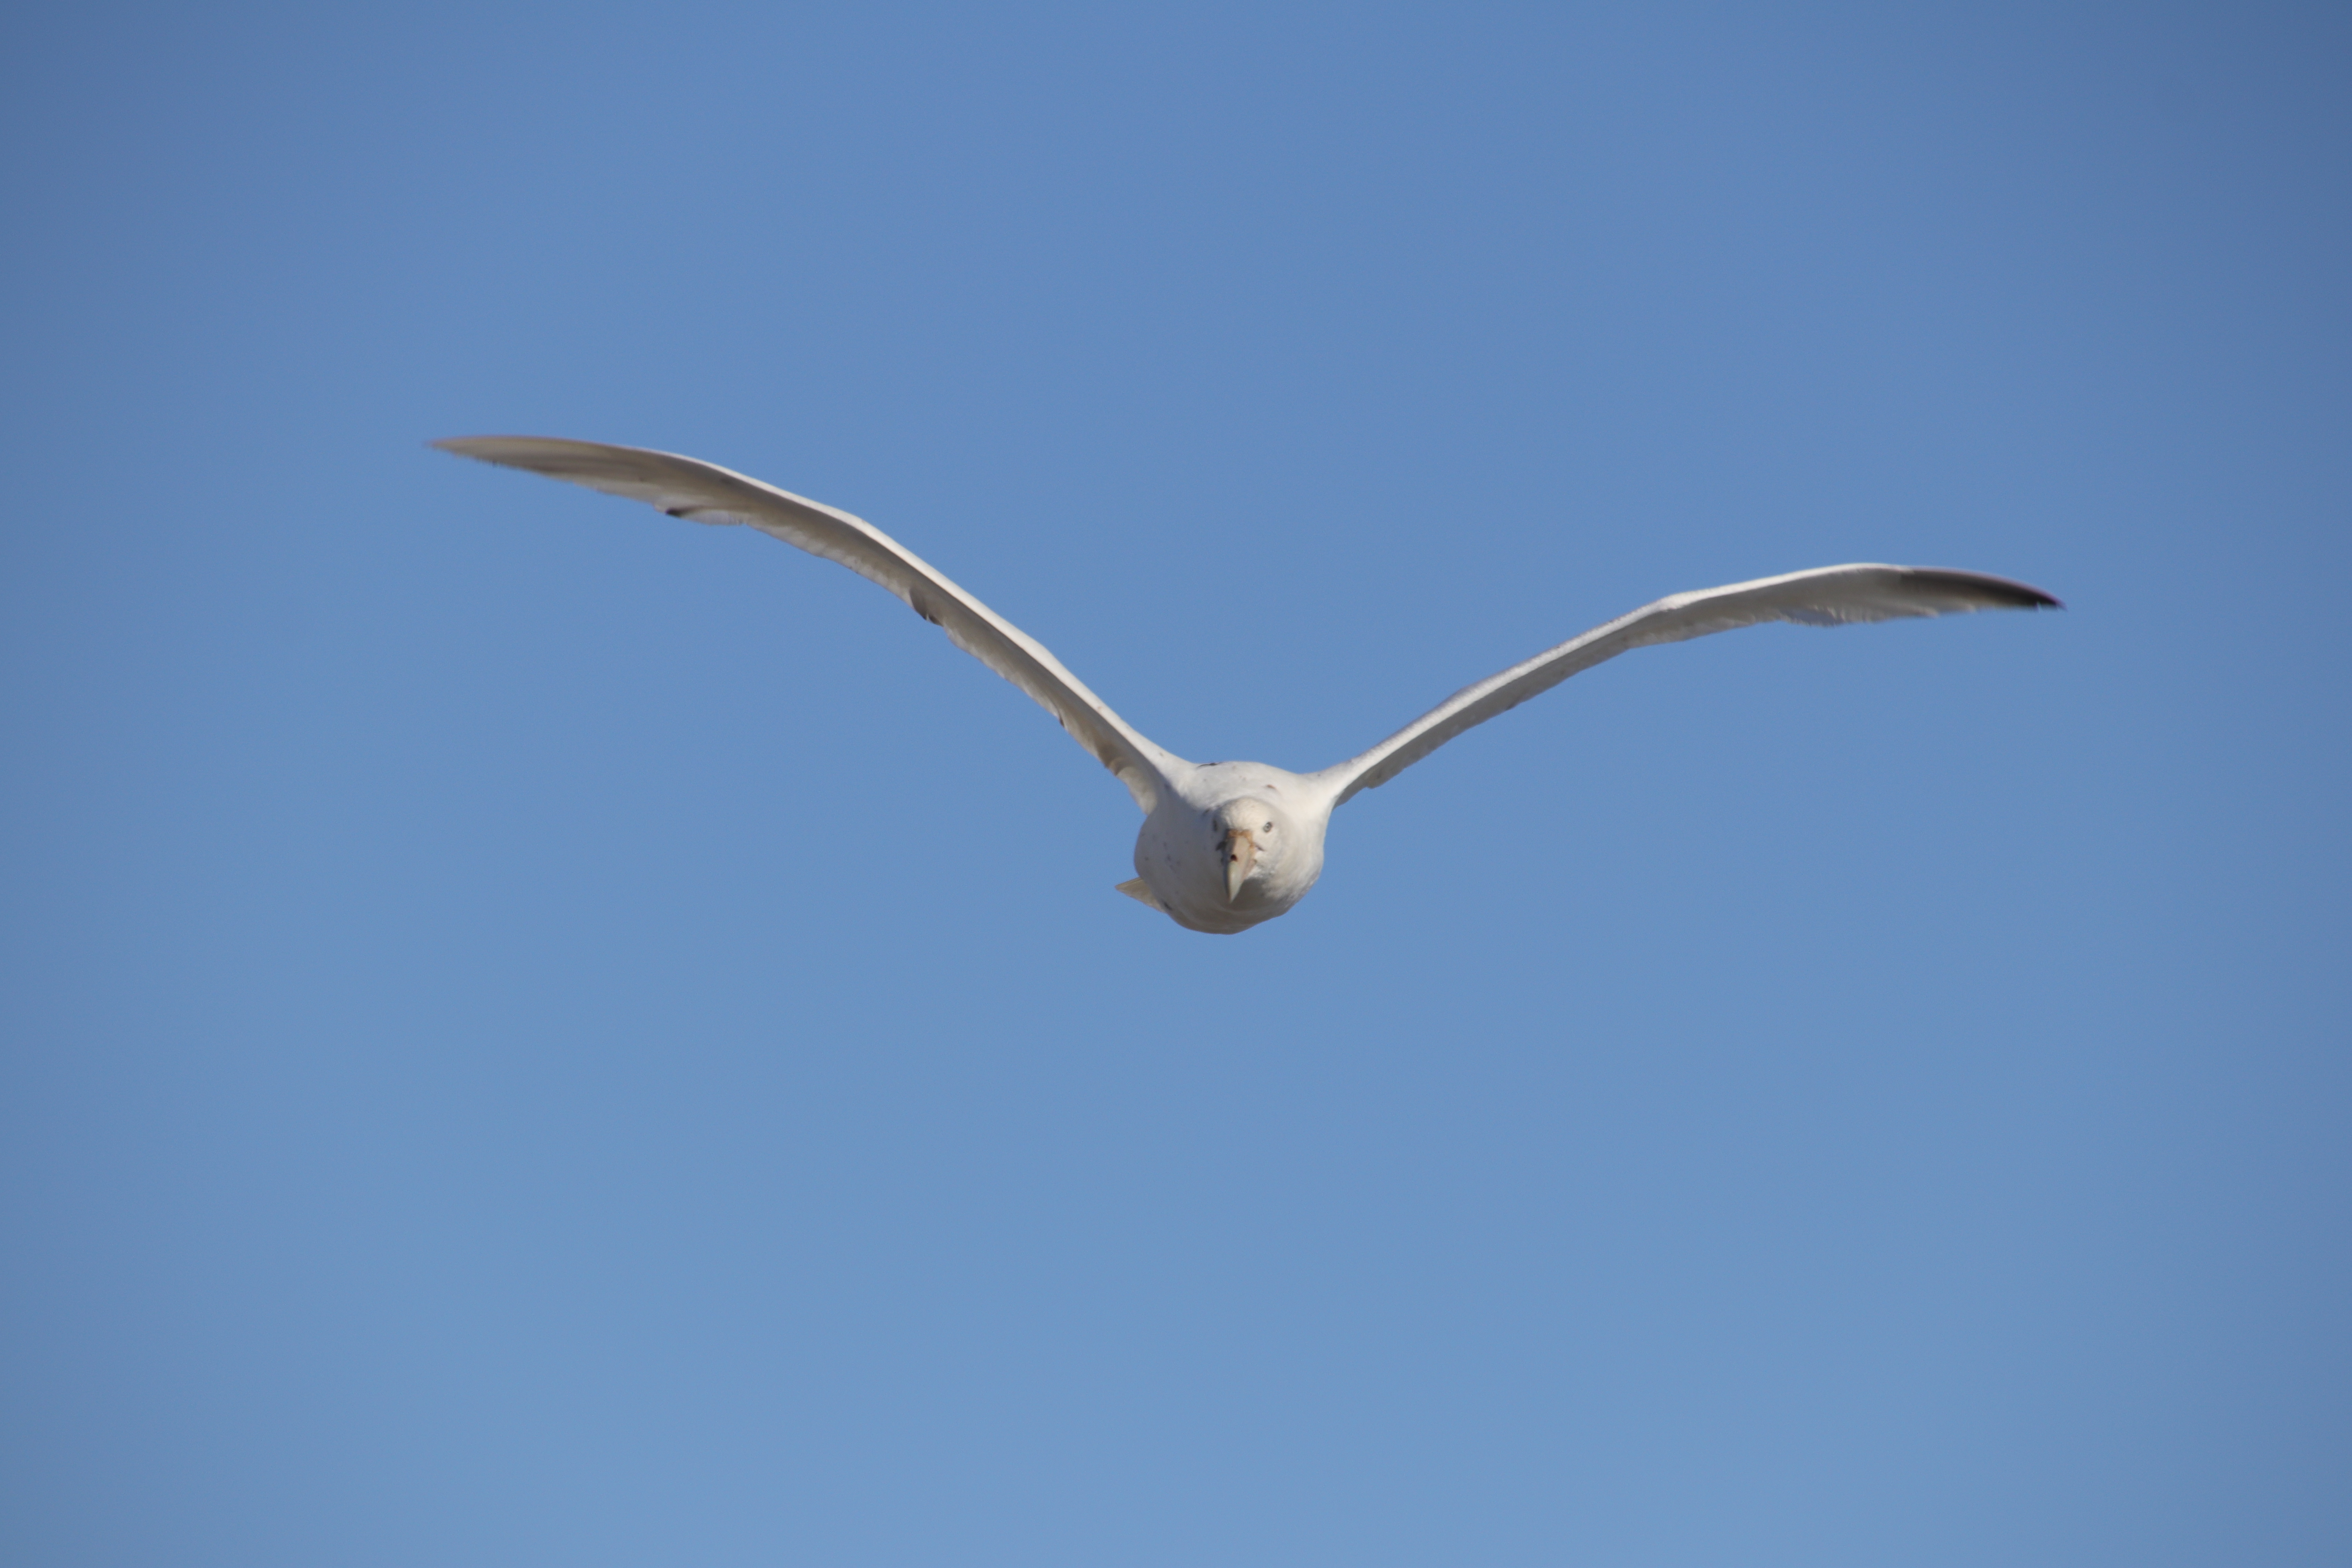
point(1183, 856)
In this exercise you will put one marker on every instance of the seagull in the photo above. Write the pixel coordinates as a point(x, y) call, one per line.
point(1228, 846)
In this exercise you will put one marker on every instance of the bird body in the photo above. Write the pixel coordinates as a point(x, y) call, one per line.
point(1228, 846)
point(1232, 844)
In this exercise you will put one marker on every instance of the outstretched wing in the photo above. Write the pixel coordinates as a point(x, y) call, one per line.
point(685, 487)
point(1824, 597)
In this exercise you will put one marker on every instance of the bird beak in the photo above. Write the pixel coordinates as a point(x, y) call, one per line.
point(1240, 849)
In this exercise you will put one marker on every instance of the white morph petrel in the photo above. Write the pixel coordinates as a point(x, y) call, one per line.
point(1227, 845)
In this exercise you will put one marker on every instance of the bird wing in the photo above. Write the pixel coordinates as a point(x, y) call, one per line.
point(685, 487)
point(1824, 597)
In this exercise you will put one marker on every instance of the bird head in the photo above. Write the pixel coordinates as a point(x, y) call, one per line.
point(1249, 836)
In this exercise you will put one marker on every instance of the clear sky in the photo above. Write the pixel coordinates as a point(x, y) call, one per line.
point(536, 1033)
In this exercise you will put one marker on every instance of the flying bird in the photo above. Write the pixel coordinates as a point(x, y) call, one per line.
point(1228, 846)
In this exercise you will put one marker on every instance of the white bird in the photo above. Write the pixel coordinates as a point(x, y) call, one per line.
point(1228, 846)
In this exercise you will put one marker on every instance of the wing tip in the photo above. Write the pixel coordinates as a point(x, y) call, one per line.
point(508, 451)
point(1992, 592)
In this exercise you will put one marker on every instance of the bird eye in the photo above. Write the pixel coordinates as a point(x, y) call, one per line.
point(1267, 828)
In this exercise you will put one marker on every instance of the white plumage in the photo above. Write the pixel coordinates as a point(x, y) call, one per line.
point(1227, 845)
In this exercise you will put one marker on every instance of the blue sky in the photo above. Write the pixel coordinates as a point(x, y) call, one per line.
point(537, 1032)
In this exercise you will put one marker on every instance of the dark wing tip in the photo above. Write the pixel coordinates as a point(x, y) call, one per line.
point(1992, 592)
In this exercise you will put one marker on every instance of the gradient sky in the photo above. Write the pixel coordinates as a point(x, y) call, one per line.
point(536, 1033)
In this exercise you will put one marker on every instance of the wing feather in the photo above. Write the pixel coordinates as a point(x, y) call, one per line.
point(1824, 597)
point(705, 492)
